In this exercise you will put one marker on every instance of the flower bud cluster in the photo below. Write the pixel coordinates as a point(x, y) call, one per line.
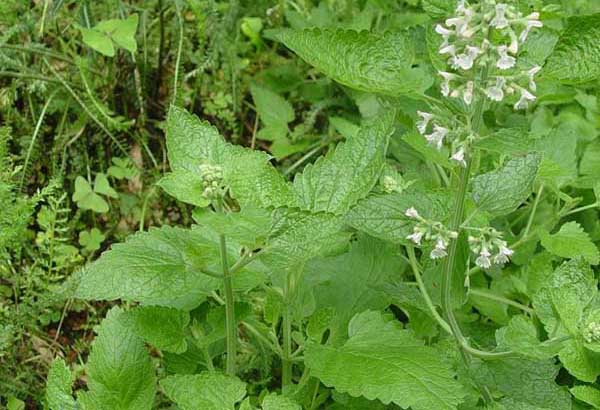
point(591, 333)
point(467, 43)
point(490, 248)
point(432, 231)
point(436, 131)
point(212, 180)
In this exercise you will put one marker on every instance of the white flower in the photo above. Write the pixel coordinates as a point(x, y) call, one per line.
point(532, 21)
point(459, 156)
point(440, 249)
point(496, 92)
point(416, 236)
point(443, 31)
point(503, 254)
point(445, 88)
point(468, 93)
point(505, 61)
point(466, 60)
point(531, 73)
point(523, 102)
point(424, 122)
point(499, 20)
point(437, 136)
point(453, 234)
point(411, 213)
point(483, 260)
point(448, 49)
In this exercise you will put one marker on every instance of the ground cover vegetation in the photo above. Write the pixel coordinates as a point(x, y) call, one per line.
point(335, 204)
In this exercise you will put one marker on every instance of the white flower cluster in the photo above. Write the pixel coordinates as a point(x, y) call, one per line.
point(591, 333)
point(490, 248)
point(430, 231)
point(466, 41)
point(430, 127)
point(212, 178)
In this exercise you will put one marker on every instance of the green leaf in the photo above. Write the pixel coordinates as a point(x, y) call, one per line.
point(102, 186)
point(184, 186)
point(273, 109)
point(122, 32)
point(382, 361)
point(161, 267)
point(86, 198)
point(119, 370)
point(276, 402)
point(249, 227)
point(353, 276)
point(587, 394)
point(520, 336)
point(383, 216)
point(377, 63)
point(91, 240)
point(502, 191)
point(98, 41)
point(253, 181)
point(579, 361)
point(571, 289)
point(336, 181)
point(439, 8)
point(576, 57)
point(59, 394)
point(204, 391)
point(571, 241)
point(162, 327)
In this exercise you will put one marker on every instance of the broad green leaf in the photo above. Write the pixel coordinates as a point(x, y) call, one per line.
point(59, 394)
point(590, 162)
point(184, 186)
point(346, 402)
point(383, 216)
point(162, 327)
point(276, 402)
point(523, 380)
point(382, 361)
point(502, 191)
point(439, 8)
point(204, 391)
point(508, 403)
point(579, 361)
point(273, 109)
point(249, 227)
point(91, 240)
point(346, 128)
point(576, 57)
point(253, 181)
point(338, 180)
point(119, 370)
point(122, 32)
point(377, 63)
point(520, 336)
point(86, 198)
point(13, 403)
point(354, 276)
point(97, 40)
point(571, 241)
point(587, 394)
point(572, 288)
point(161, 267)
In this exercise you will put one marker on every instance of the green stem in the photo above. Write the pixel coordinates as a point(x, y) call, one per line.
point(485, 294)
point(533, 211)
point(286, 359)
point(581, 209)
point(230, 324)
point(416, 272)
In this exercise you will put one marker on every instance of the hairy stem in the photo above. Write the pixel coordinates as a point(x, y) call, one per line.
point(286, 362)
point(230, 323)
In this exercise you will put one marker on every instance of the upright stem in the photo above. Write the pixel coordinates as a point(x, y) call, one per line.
point(230, 323)
point(286, 359)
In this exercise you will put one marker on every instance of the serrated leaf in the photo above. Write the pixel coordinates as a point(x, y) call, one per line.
point(252, 180)
point(520, 336)
point(184, 186)
point(382, 361)
point(161, 267)
point(587, 394)
point(572, 288)
point(162, 327)
point(276, 402)
point(579, 361)
point(571, 241)
point(576, 56)
point(383, 216)
point(378, 63)
point(336, 181)
point(59, 394)
point(353, 276)
point(204, 391)
point(439, 8)
point(120, 372)
point(502, 191)
point(249, 227)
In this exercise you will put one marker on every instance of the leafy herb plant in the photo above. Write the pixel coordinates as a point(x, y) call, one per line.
point(438, 258)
